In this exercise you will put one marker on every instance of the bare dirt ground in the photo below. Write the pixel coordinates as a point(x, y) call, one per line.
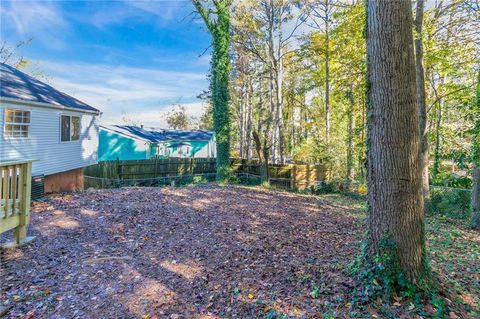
point(192, 252)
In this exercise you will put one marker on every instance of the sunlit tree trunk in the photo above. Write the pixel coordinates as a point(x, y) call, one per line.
point(436, 152)
point(270, 13)
point(279, 111)
point(242, 121)
point(422, 107)
point(475, 222)
point(249, 119)
point(476, 198)
point(394, 176)
point(271, 115)
point(350, 114)
point(327, 76)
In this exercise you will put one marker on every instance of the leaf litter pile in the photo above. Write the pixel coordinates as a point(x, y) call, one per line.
point(193, 252)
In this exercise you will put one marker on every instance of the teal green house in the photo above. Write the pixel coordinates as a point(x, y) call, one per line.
point(126, 142)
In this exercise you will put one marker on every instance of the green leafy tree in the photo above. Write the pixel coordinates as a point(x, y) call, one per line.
point(177, 118)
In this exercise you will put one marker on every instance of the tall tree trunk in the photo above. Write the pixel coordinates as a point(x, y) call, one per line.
point(271, 115)
point(436, 152)
point(279, 111)
point(350, 135)
point(220, 30)
point(304, 119)
point(362, 156)
point(220, 92)
point(394, 176)
point(270, 12)
point(249, 118)
point(422, 107)
point(475, 222)
point(242, 121)
point(327, 76)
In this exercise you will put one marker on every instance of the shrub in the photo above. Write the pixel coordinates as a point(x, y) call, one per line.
point(325, 188)
point(362, 189)
point(199, 180)
point(451, 202)
point(452, 180)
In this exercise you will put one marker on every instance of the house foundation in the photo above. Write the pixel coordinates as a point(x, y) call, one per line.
point(67, 181)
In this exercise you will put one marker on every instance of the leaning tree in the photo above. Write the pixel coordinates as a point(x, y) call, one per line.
point(395, 197)
point(216, 15)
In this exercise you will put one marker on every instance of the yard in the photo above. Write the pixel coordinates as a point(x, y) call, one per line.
point(209, 252)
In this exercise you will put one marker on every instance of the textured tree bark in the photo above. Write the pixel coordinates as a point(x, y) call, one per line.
point(475, 222)
point(394, 176)
point(249, 118)
point(271, 116)
point(422, 107)
point(279, 111)
point(436, 151)
point(270, 13)
point(242, 120)
point(476, 198)
point(327, 77)
point(350, 136)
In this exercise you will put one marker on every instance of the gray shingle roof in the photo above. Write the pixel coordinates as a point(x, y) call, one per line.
point(15, 84)
point(160, 135)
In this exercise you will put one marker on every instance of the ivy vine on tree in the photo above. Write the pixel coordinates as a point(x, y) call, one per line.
point(216, 16)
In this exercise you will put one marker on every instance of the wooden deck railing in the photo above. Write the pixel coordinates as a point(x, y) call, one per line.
point(15, 190)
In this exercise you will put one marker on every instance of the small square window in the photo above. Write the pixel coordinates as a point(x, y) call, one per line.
point(17, 123)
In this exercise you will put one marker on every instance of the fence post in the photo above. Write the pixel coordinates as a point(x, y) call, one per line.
point(117, 168)
point(293, 176)
point(191, 167)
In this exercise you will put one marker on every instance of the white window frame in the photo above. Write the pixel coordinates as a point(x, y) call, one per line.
point(7, 110)
point(70, 116)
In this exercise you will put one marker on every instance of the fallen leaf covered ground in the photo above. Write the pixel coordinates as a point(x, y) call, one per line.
point(191, 252)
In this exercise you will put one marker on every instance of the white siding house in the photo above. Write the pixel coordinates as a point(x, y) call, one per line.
point(41, 123)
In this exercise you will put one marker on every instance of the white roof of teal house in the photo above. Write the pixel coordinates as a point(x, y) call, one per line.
point(159, 135)
point(16, 86)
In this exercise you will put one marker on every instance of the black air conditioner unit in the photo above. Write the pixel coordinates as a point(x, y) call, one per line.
point(38, 187)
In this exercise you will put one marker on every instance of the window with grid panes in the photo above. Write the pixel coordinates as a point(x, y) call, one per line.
point(17, 123)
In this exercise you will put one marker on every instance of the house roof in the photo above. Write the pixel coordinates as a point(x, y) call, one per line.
point(15, 84)
point(161, 135)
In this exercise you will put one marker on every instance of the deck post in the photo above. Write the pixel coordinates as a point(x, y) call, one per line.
point(20, 233)
point(15, 191)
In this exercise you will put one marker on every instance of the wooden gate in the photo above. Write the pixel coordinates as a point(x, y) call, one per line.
point(15, 191)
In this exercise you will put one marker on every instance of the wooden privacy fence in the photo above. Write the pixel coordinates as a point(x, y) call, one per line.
point(151, 168)
point(289, 176)
point(15, 186)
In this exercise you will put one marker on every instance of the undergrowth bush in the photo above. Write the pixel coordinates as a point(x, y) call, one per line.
point(325, 187)
point(381, 278)
point(452, 180)
point(450, 202)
